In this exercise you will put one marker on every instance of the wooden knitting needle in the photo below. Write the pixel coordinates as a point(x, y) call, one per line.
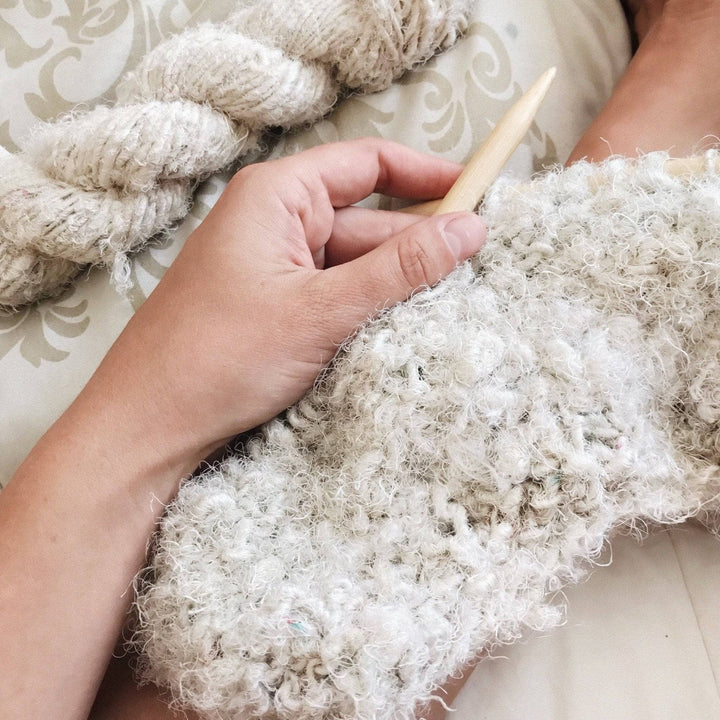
point(491, 156)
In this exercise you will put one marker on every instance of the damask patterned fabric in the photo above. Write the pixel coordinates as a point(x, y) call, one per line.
point(59, 55)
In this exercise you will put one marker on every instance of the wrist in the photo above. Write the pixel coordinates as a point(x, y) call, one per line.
point(76, 521)
point(139, 408)
point(128, 439)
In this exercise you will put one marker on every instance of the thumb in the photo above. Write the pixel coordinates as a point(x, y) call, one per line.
point(418, 256)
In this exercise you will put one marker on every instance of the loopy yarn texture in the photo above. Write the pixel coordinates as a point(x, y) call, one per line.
point(95, 186)
point(465, 456)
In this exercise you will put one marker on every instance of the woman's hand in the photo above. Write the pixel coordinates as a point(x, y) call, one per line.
point(236, 331)
point(247, 316)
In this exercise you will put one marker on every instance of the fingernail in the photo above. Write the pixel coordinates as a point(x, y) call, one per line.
point(464, 234)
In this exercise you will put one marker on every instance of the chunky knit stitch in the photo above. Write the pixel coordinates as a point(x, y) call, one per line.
point(465, 456)
point(94, 186)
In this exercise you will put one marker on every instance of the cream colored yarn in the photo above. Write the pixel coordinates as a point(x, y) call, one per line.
point(94, 186)
point(463, 459)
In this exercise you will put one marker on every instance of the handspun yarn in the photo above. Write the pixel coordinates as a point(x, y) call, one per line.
point(96, 185)
point(465, 456)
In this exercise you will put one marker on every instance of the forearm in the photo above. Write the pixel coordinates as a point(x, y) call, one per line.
point(76, 519)
point(237, 331)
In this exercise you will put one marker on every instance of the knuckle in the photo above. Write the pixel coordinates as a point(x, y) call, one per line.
point(417, 263)
point(242, 179)
point(248, 178)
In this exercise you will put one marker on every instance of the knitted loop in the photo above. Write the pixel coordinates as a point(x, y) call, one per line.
point(97, 185)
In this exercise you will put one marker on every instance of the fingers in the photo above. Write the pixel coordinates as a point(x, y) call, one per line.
point(416, 257)
point(358, 230)
point(350, 171)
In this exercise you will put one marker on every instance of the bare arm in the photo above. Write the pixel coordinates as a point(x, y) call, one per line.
point(237, 331)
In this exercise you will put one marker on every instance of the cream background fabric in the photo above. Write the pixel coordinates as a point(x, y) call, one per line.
point(642, 637)
point(641, 642)
point(60, 54)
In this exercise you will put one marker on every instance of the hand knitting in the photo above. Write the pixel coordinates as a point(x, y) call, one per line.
point(257, 262)
point(238, 328)
point(464, 457)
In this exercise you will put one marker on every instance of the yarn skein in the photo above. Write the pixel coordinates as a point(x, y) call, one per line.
point(97, 185)
point(463, 459)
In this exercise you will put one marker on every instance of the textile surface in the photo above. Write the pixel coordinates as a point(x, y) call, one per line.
point(641, 638)
point(465, 456)
point(50, 63)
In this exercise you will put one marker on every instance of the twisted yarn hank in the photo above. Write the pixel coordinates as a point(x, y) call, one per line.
point(95, 186)
point(465, 457)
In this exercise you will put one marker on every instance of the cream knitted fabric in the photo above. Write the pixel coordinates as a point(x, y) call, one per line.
point(465, 456)
point(94, 186)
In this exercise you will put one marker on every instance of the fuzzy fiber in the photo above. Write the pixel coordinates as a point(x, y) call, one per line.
point(464, 457)
point(96, 185)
